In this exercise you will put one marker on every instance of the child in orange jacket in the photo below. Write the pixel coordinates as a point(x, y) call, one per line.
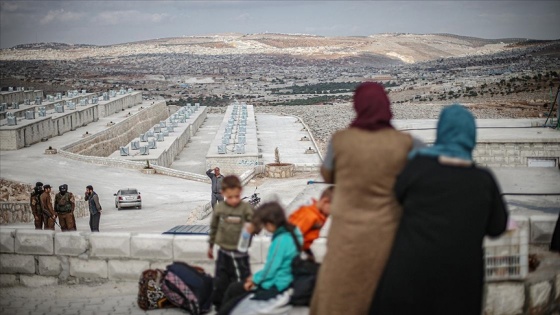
point(310, 219)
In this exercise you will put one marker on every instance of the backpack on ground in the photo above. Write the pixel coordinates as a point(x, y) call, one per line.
point(150, 295)
point(188, 287)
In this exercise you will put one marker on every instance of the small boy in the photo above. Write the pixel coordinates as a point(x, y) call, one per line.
point(310, 219)
point(228, 219)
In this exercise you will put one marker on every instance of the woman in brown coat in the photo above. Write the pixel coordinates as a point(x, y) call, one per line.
point(363, 161)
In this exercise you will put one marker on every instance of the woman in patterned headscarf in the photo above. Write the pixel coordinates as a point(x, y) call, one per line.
point(449, 205)
point(363, 161)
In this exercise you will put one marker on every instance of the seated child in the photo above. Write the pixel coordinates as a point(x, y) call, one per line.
point(310, 219)
point(266, 291)
point(228, 218)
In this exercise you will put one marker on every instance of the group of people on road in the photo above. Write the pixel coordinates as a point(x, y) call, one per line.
point(408, 222)
point(46, 212)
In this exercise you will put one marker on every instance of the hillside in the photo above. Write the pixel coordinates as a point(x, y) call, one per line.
point(408, 48)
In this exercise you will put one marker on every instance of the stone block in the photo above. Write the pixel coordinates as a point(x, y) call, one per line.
point(189, 248)
point(49, 265)
point(126, 269)
point(37, 242)
point(70, 243)
point(17, 263)
point(110, 245)
point(542, 227)
point(319, 249)
point(7, 240)
point(37, 281)
point(88, 268)
point(497, 152)
point(502, 299)
point(8, 280)
point(499, 159)
point(539, 297)
point(152, 246)
point(160, 265)
point(255, 251)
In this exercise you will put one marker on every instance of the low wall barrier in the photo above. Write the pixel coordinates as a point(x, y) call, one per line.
point(20, 212)
point(42, 258)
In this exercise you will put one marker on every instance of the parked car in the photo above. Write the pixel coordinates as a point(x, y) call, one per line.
point(126, 198)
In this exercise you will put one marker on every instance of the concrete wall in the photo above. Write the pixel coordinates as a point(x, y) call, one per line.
point(71, 120)
point(29, 132)
point(20, 212)
point(233, 164)
point(48, 105)
point(44, 258)
point(46, 255)
point(120, 103)
point(514, 154)
point(106, 142)
point(19, 96)
point(166, 152)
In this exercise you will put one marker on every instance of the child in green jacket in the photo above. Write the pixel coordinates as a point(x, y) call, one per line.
point(267, 288)
point(228, 218)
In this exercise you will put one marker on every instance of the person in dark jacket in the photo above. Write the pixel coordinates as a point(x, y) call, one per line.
point(64, 205)
point(94, 208)
point(449, 205)
point(36, 209)
point(216, 179)
point(49, 216)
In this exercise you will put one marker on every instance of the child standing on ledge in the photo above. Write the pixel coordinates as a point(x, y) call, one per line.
point(228, 219)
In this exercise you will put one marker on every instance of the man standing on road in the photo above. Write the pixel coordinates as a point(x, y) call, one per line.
point(64, 206)
point(35, 203)
point(94, 208)
point(49, 216)
point(216, 179)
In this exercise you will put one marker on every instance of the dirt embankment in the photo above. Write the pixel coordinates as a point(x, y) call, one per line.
point(14, 191)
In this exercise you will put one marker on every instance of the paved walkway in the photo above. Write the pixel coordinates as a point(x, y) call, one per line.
point(193, 157)
point(113, 298)
point(284, 133)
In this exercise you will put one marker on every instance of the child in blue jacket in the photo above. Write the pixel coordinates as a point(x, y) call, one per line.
point(266, 291)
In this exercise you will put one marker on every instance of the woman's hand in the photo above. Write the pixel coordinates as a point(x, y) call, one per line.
point(249, 284)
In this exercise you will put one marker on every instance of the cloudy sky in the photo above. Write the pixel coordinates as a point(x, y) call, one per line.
point(109, 22)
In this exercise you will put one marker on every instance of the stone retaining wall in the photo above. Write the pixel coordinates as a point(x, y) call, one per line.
point(165, 156)
point(514, 154)
point(233, 164)
point(20, 212)
point(48, 257)
point(42, 258)
point(279, 170)
point(108, 141)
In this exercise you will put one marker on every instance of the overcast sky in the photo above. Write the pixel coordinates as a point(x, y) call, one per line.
point(110, 22)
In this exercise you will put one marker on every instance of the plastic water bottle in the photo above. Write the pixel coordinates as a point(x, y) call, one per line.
point(244, 239)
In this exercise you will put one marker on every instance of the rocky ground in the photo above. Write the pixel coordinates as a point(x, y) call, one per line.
point(13, 191)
